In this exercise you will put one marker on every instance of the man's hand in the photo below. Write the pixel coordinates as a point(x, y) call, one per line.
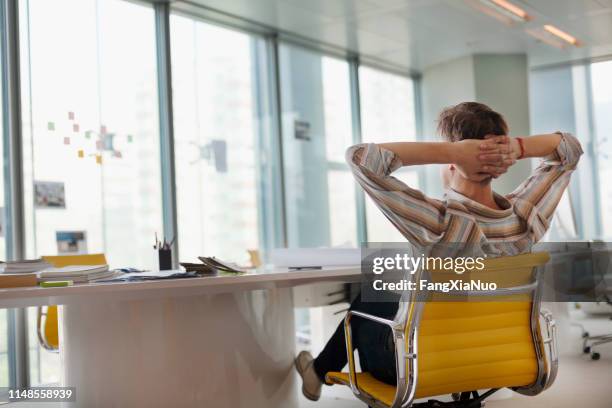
point(498, 153)
point(479, 160)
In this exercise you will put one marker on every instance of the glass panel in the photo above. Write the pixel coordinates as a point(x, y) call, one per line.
point(387, 115)
point(601, 77)
point(317, 129)
point(220, 153)
point(92, 159)
point(91, 142)
point(4, 369)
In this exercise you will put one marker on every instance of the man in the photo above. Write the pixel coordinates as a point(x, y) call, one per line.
point(475, 150)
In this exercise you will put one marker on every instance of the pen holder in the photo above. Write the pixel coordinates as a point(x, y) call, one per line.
point(165, 259)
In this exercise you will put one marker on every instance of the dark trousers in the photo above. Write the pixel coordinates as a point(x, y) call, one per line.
point(372, 340)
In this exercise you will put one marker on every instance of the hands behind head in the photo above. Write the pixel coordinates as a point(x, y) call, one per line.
point(480, 160)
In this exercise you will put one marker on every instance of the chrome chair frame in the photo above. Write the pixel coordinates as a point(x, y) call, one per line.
point(407, 320)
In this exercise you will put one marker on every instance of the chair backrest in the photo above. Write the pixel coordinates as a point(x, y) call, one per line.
point(470, 340)
point(48, 328)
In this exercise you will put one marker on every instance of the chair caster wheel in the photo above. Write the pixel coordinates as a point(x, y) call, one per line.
point(595, 356)
point(585, 334)
point(586, 350)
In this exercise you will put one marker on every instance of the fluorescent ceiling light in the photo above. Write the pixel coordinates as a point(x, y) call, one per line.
point(517, 11)
point(562, 35)
point(514, 12)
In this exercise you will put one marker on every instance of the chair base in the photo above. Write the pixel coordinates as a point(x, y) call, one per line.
point(469, 399)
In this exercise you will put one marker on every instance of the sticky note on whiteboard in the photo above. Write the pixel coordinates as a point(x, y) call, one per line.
point(66, 140)
point(99, 158)
point(50, 126)
point(81, 154)
point(75, 127)
point(70, 115)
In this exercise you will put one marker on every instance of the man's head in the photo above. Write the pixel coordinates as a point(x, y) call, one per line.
point(468, 120)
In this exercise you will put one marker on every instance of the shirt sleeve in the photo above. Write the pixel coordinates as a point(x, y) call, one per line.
point(536, 199)
point(419, 218)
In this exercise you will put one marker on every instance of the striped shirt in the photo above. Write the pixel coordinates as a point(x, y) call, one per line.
point(523, 218)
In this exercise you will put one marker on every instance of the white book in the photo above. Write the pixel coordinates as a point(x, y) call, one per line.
point(74, 271)
point(25, 266)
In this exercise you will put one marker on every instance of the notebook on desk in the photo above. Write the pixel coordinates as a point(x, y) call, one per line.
point(76, 273)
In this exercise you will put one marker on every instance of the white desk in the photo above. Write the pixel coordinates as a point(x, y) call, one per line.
point(224, 341)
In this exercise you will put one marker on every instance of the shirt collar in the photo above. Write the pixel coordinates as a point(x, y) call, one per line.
point(480, 209)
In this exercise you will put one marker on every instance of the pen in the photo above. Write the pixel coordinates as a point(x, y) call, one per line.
point(299, 268)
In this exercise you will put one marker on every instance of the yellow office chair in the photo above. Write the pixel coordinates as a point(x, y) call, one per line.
point(46, 316)
point(446, 346)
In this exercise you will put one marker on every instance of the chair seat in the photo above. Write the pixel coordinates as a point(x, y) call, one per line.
point(486, 380)
point(367, 384)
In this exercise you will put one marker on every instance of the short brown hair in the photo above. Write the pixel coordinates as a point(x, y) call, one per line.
point(470, 120)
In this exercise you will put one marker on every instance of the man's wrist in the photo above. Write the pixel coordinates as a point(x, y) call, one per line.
point(517, 147)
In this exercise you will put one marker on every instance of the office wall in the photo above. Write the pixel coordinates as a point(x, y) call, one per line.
point(502, 83)
point(443, 85)
point(477, 78)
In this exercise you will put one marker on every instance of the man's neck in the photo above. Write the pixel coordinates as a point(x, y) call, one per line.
point(481, 192)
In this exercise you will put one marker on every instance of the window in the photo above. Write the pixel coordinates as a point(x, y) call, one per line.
point(601, 77)
point(221, 126)
point(91, 142)
point(387, 115)
point(4, 364)
point(317, 129)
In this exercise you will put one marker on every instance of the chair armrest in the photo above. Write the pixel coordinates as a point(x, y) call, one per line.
point(400, 354)
point(550, 343)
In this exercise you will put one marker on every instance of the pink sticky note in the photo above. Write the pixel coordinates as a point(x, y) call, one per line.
point(99, 144)
point(117, 154)
point(70, 115)
point(66, 140)
point(103, 129)
point(75, 127)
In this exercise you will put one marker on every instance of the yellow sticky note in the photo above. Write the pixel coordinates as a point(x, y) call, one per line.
point(99, 158)
point(81, 154)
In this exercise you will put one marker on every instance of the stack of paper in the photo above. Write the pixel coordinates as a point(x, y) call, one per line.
point(76, 273)
point(26, 266)
point(212, 265)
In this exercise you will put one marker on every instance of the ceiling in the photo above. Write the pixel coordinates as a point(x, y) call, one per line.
point(415, 34)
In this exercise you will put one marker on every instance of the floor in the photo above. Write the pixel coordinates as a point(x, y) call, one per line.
point(581, 382)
